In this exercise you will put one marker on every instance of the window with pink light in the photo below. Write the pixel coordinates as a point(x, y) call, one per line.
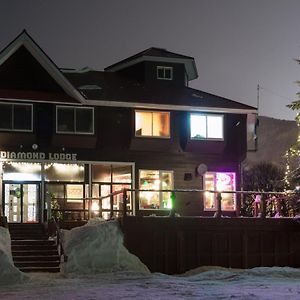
point(222, 182)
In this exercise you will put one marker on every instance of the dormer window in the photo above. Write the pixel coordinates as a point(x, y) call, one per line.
point(164, 73)
point(207, 127)
point(152, 124)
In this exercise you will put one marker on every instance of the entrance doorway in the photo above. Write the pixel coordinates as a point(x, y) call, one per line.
point(21, 202)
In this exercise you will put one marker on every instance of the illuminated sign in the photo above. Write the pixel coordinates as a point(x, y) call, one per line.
point(38, 155)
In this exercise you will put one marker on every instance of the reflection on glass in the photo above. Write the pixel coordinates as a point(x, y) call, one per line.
point(101, 173)
point(21, 171)
point(64, 172)
point(121, 173)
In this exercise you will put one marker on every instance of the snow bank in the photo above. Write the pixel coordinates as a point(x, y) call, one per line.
point(9, 274)
point(97, 247)
point(220, 273)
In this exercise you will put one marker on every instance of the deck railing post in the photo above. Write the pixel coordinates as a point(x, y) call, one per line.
point(100, 208)
point(218, 213)
point(111, 207)
point(124, 202)
point(263, 207)
point(90, 208)
point(173, 203)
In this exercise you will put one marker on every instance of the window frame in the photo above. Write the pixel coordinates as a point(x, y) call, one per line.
point(152, 136)
point(164, 68)
point(13, 104)
point(215, 194)
point(206, 127)
point(160, 193)
point(74, 116)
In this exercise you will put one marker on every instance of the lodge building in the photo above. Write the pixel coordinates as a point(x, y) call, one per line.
point(67, 135)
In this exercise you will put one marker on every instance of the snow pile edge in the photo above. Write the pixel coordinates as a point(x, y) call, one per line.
point(97, 247)
point(9, 274)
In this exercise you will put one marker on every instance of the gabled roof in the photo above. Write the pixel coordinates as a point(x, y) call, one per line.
point(159, 55)
point(112, 89)
point(24, 39)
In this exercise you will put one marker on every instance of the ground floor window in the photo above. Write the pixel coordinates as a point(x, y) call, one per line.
point(67, 200)
point(33, 192)
point(155, 180)
point(219, 181)
point(107, 179)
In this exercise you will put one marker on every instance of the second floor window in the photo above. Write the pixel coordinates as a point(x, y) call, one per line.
point(74, 120)
point(164, 73)
point(206, 127)
point(152, 124)
point(16, 117)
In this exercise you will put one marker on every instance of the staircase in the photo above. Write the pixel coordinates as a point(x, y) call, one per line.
point(31, 249)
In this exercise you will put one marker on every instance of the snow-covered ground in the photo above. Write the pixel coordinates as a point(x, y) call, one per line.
point(99, 267)
point(204, 283)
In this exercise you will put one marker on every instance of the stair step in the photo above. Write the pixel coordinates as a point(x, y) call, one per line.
point(41, 264)
point(29, 237)
point(33, 247)
point(34, 252)
point(36, 258)
point(32, 242)
point(40, 269)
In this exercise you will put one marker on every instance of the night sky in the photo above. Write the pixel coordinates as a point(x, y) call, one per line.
point(237, 44)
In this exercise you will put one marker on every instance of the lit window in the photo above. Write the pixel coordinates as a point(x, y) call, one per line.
point(164, 73)
point(155, 180)
point(108, 179)
point(74, 192)
point(152, 124)
point(206, 127)
point(219, 181)
point(79, 120)
point(16, 117)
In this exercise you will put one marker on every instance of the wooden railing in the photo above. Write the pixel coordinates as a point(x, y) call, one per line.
point(259, 207)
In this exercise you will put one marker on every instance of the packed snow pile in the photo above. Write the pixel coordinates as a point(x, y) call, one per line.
point(97, 247)
point(9, 274)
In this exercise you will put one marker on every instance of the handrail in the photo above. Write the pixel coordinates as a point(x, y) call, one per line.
point(58, 238)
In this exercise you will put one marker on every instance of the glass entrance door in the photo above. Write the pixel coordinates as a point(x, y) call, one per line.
point(21, 202)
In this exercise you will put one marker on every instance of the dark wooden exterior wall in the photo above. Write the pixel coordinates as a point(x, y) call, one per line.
point(176, 245)
point(114, 140)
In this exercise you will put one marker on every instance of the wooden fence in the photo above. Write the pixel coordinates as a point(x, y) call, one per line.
point(173, 245)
